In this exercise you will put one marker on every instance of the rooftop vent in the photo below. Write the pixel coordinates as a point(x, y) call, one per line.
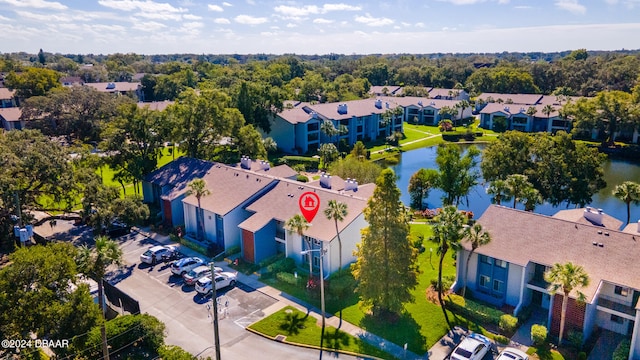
point(506, 108)
point(420, 103)
point(350, 184)
point(378, 103)
point(245, 162)
point(342, 108)
point(264, 165)
point(594, 216)
point(600, 245)
point(325, 181)
point(111, 86)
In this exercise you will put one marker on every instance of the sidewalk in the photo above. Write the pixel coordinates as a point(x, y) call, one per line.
point(439, 351)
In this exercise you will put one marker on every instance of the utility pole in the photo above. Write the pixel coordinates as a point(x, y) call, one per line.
point(214, 297)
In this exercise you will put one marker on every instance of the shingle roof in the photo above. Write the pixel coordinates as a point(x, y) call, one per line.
point(512, 109)
point(434, 92)
point(282, 171)
point(6, 93)
point(229, 188)
point(117, 86)
point(391, 89)
point(365, 107)
point(422, 102)
point(155, 105)
point(11, 114)
point(281, 203)
point(296, 114)
point(179, 172)
point(577, 215)
point(520, 237)
point(521, 99)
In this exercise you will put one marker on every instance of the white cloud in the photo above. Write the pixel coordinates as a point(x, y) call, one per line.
point(221, 21)
point(147, 6)
point(293, 11)
point(371, 21)
point(463, 2)
point(215, 7)
point(150, 26)
point(292, 25)
point(45, 18)
point(340, 7)
point(322, 21)
point(191, 17)
point(523, 7)
point(251, 2)
point(572, 6)
point(250, 20)
point(37, 4)
point(2, 18)
point(419, 25)
point(226, 4)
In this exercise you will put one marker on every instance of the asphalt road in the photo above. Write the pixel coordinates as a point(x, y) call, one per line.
point(187, 315)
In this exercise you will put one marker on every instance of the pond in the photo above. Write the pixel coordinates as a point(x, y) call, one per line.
point(616, 171)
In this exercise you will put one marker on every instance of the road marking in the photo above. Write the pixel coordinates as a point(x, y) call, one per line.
point(249, 319)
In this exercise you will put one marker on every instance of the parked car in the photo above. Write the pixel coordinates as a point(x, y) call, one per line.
point(198, 273)
point(116, 229)
point(184, 265)
point(512, 354)
point(472, 347)
point(172, 255)
point(223, 279)
point(154, 254)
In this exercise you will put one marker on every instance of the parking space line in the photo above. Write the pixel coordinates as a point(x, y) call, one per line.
point(248, 319)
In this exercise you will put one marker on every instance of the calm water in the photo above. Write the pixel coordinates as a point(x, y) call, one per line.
point(616, 172)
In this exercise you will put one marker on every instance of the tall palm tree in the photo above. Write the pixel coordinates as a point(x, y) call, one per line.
point(447, 233)
point(566, 278)
point(198, 188)
point(94, 263)
point(498, 188)
point(329, 130)
point(337, 211)
point(547, 110)
point(298, 224)
point(462, 105)
point(530, 198)
point(629, 192)
point(516, 185)
point(477, 237)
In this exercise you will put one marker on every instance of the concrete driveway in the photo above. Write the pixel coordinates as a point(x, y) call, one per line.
point(187, 315)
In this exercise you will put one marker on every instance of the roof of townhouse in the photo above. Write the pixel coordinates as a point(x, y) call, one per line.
point(6, 93)
point(421, 101)
point(263, 167)
point(520, 237)
point(512, 109)
point(632, 228)
point(179, 172)
point(391, 90)
point(155, 105)
point(229, 187)
point(441, 92)
point(557, 100)
point(281, 203)
point(71, 80)
point(526, 99)
point(296, 114)
point(114, 86)
point(578, 216)
point(348, 109)
point(10, 114)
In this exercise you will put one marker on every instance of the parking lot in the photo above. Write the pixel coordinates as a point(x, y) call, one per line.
point(187, 314)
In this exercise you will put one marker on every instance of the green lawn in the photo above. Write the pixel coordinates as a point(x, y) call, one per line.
point(302, 329)
point(422, 323)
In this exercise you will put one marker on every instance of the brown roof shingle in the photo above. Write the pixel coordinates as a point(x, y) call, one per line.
point(521, 237)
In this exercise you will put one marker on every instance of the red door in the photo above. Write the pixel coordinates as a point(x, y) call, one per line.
point(248, 246)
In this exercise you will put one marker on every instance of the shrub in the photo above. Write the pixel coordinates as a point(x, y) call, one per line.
point(286, 265)
point(575, 339)
point(233, 250)
point(174, 352)
point(288, 278)
point(622, 351)
point(538, 334)
point(582, 355)
point(308, 162)
point(299, 167)
point(474, 310)
point(126, 331)
point(342, 285)
point(508, 323)
point(501, 339)
point(302, 178)
point(447, 282)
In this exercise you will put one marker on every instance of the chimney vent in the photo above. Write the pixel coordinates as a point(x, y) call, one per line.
point(325, 181)
point(342, 108)
point(594, 216)
point(245, 162)
point(600, 245)
point(378, 103)
point(350, 184)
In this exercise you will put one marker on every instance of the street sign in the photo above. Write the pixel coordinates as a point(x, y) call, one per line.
point(309, 203)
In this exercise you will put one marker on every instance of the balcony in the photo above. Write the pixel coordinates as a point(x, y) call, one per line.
point(616, 306)
point(538, 282)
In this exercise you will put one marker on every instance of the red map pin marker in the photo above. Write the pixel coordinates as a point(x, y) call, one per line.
point(309, 203)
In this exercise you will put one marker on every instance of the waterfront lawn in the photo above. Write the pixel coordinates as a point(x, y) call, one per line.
point(299, 328)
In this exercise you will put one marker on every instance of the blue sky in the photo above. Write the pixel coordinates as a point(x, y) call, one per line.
point(303, 27)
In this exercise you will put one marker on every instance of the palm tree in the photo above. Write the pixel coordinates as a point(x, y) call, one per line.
point(516, 185)
point(566, 278)
point(462, 105)
point(498, 188)
point(447, 233)
point(298, 224)
point(629, 192)
point(530, 198)
point(547, 110)
point(337, 211)
point(329, 130)
point(477, 237)
point(198, 188)
point(94, 263)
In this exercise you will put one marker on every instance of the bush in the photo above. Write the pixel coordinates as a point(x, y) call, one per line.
point(508, 323)
point(302, 178)
point(233, 250)
point(582, 355)
point(286, 265)
point(622, 351)
point(288, 278)
point(538, 334)
point(447, 282)
point(501, 339)
point(575, 339)
point(473, 310)
point(342, 285)
point(173, 352)
point(299, 168)
point(308, 162)
point(140, 331)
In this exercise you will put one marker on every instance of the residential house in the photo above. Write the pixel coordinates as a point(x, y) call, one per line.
point(68, 81)
point(448, 94)
point(7, 98)
point(10, 118)
point(119, 88)
point(264, 167)
point(420, 110)
point(264, 233)
point(518, 117)
point(166, 187)
point(509, 271)
point(386, 90)
point(296, 129)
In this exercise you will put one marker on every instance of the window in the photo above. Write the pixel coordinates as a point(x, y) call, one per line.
point(314, 126)
point(484, 281)
point(617, 319)
point(497, 285)
point(485, 259)
point(500, 263)
point(622, 291)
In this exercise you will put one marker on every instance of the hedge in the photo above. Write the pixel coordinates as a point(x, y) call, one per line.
point(508, 323)
point(288, 278)
point(308, 162)
point(622, 351)
point(538, 334)
point(474, 310)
